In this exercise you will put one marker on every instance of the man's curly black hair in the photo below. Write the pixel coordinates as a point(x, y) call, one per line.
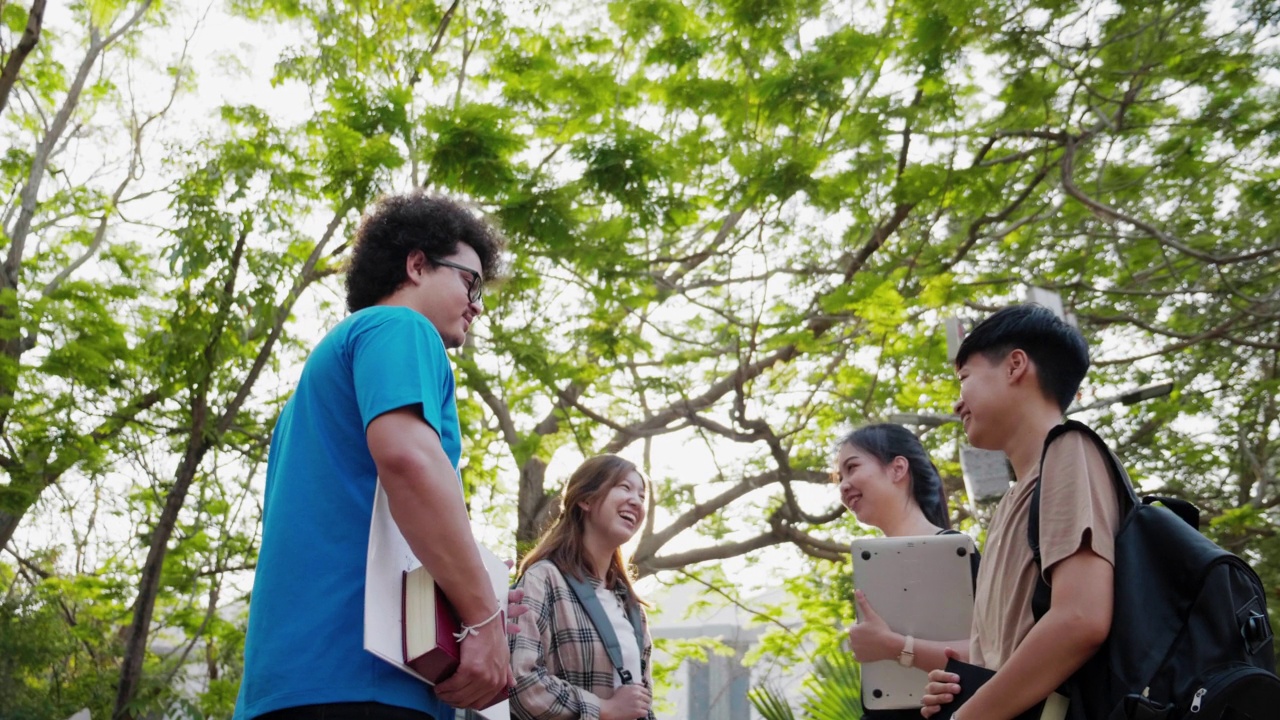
point(396, 225)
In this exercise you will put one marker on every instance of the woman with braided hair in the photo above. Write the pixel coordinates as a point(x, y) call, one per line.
point(888, 481)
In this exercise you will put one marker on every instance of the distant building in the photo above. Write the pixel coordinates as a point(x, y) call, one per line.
point(715, 689)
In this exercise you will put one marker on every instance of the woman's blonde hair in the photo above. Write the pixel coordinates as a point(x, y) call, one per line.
point(562, 543)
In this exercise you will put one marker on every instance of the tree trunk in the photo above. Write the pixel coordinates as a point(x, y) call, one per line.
point(533, 504)
point(149, 587)
point(8, 524)
point(30, 36)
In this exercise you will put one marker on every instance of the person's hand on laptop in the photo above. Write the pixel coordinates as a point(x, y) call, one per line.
point(871, 639)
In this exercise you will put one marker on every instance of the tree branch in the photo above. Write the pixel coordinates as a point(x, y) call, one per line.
point(691, 406)
point(818, 325)
point(27, 43)
point(650, 545)
point(976, 226)
point(510, 435)
point(737, 603)
point(306, 276)
point(9, 278)
point(1106, 212)
point(715, 552)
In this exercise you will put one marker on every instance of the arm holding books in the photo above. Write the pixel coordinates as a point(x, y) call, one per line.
point(1076, 625)
point(427, 505)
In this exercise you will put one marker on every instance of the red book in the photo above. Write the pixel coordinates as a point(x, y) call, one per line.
point(430, 623)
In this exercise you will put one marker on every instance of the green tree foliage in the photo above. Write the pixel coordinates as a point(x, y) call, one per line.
point(789, 198)
point(136, 354)
point(737, 227)
point(52, 648)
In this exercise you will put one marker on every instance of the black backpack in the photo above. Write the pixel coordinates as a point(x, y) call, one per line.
point(1190, 636)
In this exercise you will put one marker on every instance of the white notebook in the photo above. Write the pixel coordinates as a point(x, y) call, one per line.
point(389, 557)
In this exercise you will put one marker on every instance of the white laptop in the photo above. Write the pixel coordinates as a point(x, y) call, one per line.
point(921, 586)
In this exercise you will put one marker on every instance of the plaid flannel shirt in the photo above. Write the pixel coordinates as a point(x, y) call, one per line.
point(560, 663)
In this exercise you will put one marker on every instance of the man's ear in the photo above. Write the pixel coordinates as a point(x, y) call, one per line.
point(415, 266)
point(1017, 365)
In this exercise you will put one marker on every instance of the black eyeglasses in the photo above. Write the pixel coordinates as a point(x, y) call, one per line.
point(475, 286)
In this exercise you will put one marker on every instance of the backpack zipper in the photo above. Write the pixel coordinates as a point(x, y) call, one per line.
point(1225, 675)
point(1195, 701)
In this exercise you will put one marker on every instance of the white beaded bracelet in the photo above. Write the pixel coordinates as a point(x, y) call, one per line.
point(475, 629)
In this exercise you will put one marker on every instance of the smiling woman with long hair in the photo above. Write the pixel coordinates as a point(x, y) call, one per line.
point(888, 482)
point(581, 602)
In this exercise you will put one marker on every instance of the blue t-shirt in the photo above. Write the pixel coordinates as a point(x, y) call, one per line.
point(305, 643)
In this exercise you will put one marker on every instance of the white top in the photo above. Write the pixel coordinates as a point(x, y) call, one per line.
point(626, 634)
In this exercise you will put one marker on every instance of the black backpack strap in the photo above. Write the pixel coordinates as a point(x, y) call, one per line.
point(1124, 493)
point(1189, 513)
point(637, 626)
point(586, 594)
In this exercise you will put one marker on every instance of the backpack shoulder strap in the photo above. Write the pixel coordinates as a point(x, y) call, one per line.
point(636, 617)
point(586, 595)
point(1120, 482)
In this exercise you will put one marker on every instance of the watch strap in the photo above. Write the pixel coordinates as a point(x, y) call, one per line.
point(907, 657)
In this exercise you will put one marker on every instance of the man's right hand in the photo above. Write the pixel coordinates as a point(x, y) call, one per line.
point(629, 702)
point(941, 689)
point(485, 669)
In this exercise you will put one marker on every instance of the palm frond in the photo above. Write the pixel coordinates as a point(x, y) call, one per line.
point(831, 692)
point(770, 703)
point(834, 691)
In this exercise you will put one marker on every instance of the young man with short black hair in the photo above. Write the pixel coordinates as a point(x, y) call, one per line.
point(1019, 370)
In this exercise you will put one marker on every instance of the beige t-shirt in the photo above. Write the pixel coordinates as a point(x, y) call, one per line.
point(1078, 509)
